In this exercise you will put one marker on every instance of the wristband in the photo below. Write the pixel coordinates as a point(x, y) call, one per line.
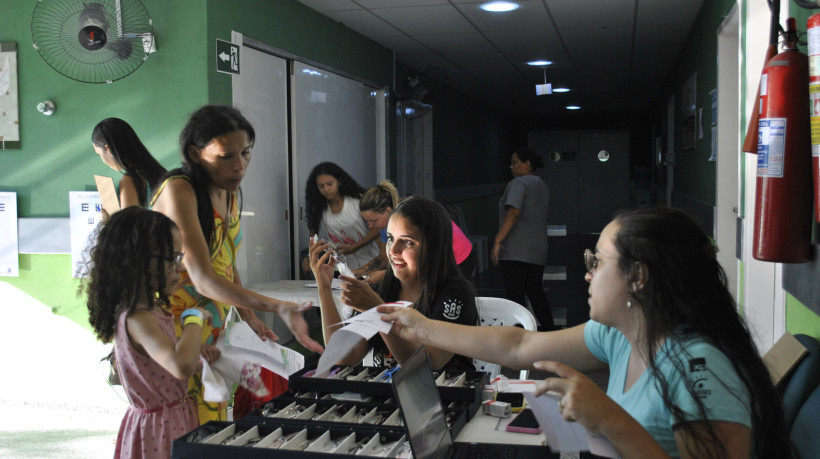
point(192, 320)
point(191, 312)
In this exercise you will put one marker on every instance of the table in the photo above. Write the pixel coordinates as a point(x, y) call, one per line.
point(490, 429)
point(296, 291)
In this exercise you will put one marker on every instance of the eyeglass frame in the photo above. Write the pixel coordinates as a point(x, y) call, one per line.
point(591, 261)
point(176, 259)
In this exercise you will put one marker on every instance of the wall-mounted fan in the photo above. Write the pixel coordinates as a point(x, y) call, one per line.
point(95, 41)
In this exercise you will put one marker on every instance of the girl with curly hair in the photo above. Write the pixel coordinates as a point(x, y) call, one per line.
point(133, 268)
point(332, 204)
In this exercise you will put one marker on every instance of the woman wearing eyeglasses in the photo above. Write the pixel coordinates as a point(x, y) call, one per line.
point(685, 380)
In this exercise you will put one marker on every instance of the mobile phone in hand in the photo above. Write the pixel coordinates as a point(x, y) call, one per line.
point(524, 422)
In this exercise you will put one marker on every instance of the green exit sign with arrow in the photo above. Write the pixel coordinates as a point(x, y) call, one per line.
point(227, 57)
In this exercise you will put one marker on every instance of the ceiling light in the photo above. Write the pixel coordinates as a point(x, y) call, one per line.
point(573, 107)
point(560, 90)
point(542, 89)
point(539, 63)
point(499, 7)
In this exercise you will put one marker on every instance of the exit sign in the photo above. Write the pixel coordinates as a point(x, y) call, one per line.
point(227, 57)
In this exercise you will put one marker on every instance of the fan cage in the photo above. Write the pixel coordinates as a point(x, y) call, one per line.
point(56, 27)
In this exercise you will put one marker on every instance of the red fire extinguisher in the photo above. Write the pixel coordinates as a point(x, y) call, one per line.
point(783, 199)
point(814, 101)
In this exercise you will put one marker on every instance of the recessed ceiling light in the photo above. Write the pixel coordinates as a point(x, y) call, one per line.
point(560, 89)
point(573, 107)
point(540, 63)
point(499, 7)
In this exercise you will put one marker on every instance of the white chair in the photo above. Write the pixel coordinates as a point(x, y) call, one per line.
point(497, 312)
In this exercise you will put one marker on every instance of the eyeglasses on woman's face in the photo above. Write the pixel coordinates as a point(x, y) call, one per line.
point(591, 260)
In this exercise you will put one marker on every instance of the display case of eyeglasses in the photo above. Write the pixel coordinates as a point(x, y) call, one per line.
point(453, 385)
point(350, 411)
point(249, 439)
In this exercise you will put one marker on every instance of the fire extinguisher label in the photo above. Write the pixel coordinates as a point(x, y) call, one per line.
point(814, 99)
point(771, 144)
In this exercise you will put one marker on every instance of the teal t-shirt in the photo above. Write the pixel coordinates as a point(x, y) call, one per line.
point(706, 368)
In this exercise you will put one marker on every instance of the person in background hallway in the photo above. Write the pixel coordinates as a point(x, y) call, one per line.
point(120, 149)
point(520, 247)
point(133, 268)
point(375, 207)
point(332, 203)
point(202, 198)
point(685, 377)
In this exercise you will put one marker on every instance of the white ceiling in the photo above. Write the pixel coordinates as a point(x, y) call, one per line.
point(612, 54)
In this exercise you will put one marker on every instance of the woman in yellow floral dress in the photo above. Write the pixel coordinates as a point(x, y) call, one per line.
point(201, 198)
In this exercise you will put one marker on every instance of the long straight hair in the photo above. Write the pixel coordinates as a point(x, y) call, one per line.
point(437, 264)
point(685, 297)
point(204, 125)
point(129, 152)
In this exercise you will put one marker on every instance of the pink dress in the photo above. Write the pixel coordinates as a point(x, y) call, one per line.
point(160, 409)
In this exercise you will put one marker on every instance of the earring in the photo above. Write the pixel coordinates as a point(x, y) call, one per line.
point(628, 304)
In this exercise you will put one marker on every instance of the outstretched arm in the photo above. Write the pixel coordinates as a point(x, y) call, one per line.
point(511, 347)
point(178, 201)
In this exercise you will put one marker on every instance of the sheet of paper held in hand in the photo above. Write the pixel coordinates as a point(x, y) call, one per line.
point(278, 359)
point(562, 435)
point(358, 327)
point(108, 194)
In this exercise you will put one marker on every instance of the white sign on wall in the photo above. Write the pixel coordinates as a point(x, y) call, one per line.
point(9, 266)
point(84, 215)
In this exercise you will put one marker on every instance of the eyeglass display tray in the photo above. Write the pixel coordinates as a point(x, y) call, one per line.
point(452, 384)
point(206, 441)
point(379, 414)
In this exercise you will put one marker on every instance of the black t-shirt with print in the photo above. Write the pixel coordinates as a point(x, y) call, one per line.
point(455, 304)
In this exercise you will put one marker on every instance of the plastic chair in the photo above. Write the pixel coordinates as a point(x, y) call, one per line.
point(802, 381)
point(498, 312)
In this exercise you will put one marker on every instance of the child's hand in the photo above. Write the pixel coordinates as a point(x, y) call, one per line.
point(210, 353)
point(207, 318)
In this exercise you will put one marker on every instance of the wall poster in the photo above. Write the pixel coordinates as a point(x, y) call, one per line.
point(9, 105)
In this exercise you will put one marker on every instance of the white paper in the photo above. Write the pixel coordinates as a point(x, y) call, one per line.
point(358, 327)
point(278, 359)
point(562, 435)
point(9, 252)
point(84, 215)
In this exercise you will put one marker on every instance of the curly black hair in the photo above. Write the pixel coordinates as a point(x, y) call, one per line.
point(119, 266)
point(315, 203)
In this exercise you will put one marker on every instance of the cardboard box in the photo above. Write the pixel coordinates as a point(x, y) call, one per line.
point(783, 357)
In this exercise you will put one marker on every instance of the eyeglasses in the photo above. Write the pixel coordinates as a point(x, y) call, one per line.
point(177, 258)
point(591, 260)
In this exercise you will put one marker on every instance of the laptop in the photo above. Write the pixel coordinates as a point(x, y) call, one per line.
point(420, 406)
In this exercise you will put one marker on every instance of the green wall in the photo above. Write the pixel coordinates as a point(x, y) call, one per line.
point(56, 155)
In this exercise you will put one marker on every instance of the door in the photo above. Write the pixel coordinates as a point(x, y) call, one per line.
point(260, 92)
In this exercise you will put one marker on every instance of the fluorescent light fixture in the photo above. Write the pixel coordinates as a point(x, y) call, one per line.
point(573, 107)
point(560, 90)
point(499, 6)
point(539, 63)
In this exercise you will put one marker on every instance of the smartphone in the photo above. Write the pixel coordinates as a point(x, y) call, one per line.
point(515, 399)
point(524, 422)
